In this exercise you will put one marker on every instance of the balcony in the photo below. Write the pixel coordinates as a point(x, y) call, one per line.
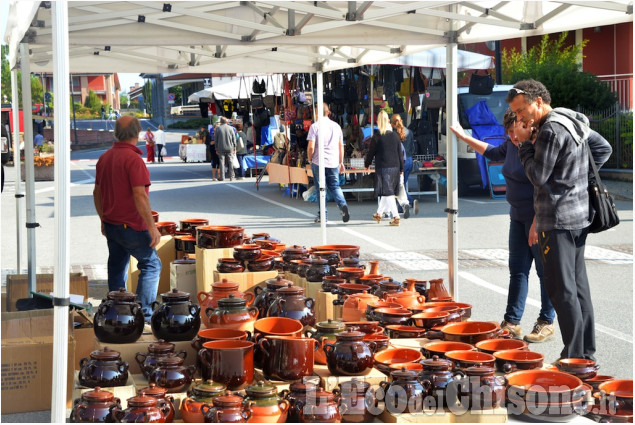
point(622, 86)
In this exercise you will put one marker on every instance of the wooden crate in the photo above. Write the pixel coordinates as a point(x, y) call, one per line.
point(206, 260)
point(312, 288)
point(246, 280)
point(167, 254)
point(329, 382)
point(324, 308)
point(445, 416)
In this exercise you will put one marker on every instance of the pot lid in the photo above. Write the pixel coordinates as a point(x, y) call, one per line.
point(365, 294)
point(175, 295)
point(479, 370)
point(404, 374)
point(186, 238)
point(319, 261)
point(278, 282)
point(295, 249)
point(350, 336)
point(331, 326)
point(302, 387)
point(209, 387)
point(261, 389)
point(232, 301)
point(169, 360)
point(436, 363)
point(247, 247)
point(105, 354)
point(228, 399)
point(390, 283)
point(225, 285)
point(290, 289)
point(350, 260)
point(142, 400)
point(98, 395)
point(161, 346)
point(122, 295)
point(354, 386)
point(323, 396)
point(154, 390)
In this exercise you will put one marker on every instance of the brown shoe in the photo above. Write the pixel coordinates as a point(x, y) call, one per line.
point(542, 332)
point(394, 222)
point(515, 330)
point(377, 217)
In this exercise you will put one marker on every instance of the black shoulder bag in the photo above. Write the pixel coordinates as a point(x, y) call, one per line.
point(600, 201)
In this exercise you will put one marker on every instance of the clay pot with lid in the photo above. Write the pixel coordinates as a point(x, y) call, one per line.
point(329, 283)
point(220, 290)
point(318, 269)
point(303, 266)
point(104, 369)
point(229, 265)
point(333, 258)
point(480, 389)
point(290, 302)
point(352, 262)
point(148, 361)
point(388, 286)
point(201, 393)
point(265, 296)
point(212, 237)
point(324, 332)
point(349, 355)
point(351, 274)
point(166, 228)
point(171, 374)
point(142, 408)
point(95, 406)
point(176, 318)
point(190, 224)
point(163, 399)
point(436, 376)
point(119, 318)
point(294, 252)
point(264, 263)
point(393, 316)
point(296, 396)
point(226, 408)
point(407, 299)
point(232, 313)
point(354, 398)
point(403, 389)
point(355, 305)
point(286, 358)
point(247, 252)
point(321, 406)
point(265, 403)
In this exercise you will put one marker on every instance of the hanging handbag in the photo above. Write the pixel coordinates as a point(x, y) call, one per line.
point(601, 204)
point(481, 84)
point(306, 122)
point(414, 94)
point(256, 102)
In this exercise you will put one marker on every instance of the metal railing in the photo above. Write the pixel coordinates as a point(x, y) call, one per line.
point(622, 86)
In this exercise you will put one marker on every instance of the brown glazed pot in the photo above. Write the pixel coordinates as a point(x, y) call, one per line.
point(511, 360)
point(491, 346)
point(346, 251)
point(329, 283)
point(227, 408)
point(265, 296)
point(290, 302)
point(163, 399)
point(385, 358)
point(321, 406)
point(436, 376)
point(355, 305)
point(296, 396)
point(354, 397)
point(229, 362)
point(270, 326)
point(229, 265)
point(104, 369)
point(285, 358)
point(622, 392)
point(480, 389)
point(324, 332)
point(462, 359)
point(379, 342)
point(430, 319)
point(155, 216)
point(232, 313)
point(465, 309)
point(265, 403)
point(393, 316)
point(190, 224)
point(95, 406)
point(295, 252)
point(201, 393)
point(403, 389)
point(352, 262)
point(454, 313)
point(217, 334)
point(332, 257)
point(581, 368)
point(247, 252)
point(166, 228)
point(220, 290)
point(349, 355)
point(264, 263)
point(318, 269)
point(172, 375)
point(439, 348)
point(176, 318)
point(148, 361)
point(119, 318)
point(404, 331)
point(388, 286)
point(184, 245)
point(372, 306)
point(142, 408)
point(351, 274)
point(211, 237)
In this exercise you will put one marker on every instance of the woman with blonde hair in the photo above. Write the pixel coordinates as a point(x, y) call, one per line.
point(385, 149)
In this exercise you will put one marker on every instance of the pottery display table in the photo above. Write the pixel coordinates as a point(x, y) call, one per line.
point(330, 382)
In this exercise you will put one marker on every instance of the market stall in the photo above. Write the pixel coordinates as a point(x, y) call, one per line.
point(190, 152)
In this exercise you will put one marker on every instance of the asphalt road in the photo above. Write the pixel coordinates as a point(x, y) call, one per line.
point(417, 248)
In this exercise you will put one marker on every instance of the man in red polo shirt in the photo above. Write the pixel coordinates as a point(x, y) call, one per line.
point(122, 202)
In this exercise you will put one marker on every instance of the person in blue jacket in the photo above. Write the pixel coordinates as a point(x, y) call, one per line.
point(523, 238)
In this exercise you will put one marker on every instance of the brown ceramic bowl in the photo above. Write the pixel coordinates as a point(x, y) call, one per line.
point(351, 274)
point(428, 320)
point(229, 265)
point(528, 384)
point(211, 237)
point(404, 331)
point(466, 309)
point(345, 251)
point(409, 366)
point(263, 263)
point(490, 346)
point(351, 288)
point(185, 244)
point(166, 227)
point(217, 334)
point(470, 332)
point(155, 216)
point(190, 224)
point(622, 390)
point(466, 358)
point(581, 368)
point(439, 348)
point(511, 360)
point(368, 327)
point(396, 355)
point(372, 306)
point(247, 252)
point(381, 342)
point(278, 326)
point(393, 316)
point(597, 380)
point(453, 311)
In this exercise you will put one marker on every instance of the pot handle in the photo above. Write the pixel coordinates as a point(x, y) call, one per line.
point(102, 309)
point(202, 296)
point(310, 333)
point(192, 369)
point(264, 346)
point(80, 409)
point(509, 367)
point(203, 354)
point(249, 297)
point(123, 367)
point(183, 352)
point(372, 345)
point(165, 409)
point(384, 387)
point(118, 414)
point(205, 409)
point(253, 312)
point(327, 347)
point(284, 406)
point(310, 303)
point(207, 312)
point(284, 393)
point(83, 361)
point(155, 305)
point(421, 299)
point(135, 309)
point(432, 334)
point(246, 414)
point(194, 309)
point(343, 407)
point(257, 290)
point(501, 380)
point(196, 343)
point(339, 301)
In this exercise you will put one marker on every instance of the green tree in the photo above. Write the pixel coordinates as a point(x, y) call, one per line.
point(123, 100)
point(178, 94)
point(92, 101)
point(556, 66)
point(147, 96)
point(5, 74)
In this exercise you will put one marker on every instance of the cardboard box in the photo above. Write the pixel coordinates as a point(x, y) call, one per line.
point(206, 260)
point(312, 288)
point(167, 254)
point(84, 336)
point(27, 361)
point(183, 277)
point(246, 280)
point(18, 286)
point(129, 351)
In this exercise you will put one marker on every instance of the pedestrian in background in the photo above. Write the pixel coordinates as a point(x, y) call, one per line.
point(121, 199)
point(150, 145)
point(241, 149)
point(225, 139)
point(160, 141)
point(215, 161)
point(408, 144)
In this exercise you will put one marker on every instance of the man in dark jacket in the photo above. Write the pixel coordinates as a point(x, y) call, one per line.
point(225, 142)
point(554, 156)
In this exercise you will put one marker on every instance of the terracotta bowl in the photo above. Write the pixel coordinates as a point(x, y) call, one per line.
point(439, 348)
point(247, 252)
point(491, 346)
point(380, 340)
point(371, 279)
point(217, 334)
point(155, 216)
point(453, 311)
point(597, 380)
point(466, 358)
point(581, 368)
point(166, 227)
point(404, 331)
point(385, 358)
point(351, 288)
point(372, 306)
point(409, 366)
point(622, 389)
point(261, 264)
point(190, 224)
point(470, 332)
point(528, 384)
point(229, 265)
point(345, 251)
point(511, 360)
point(428, 320)
point(368, 327)
point(465, 308)
point(350, 273)
point(278, 326)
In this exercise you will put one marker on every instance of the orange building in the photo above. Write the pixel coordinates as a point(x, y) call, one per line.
point(105, 86)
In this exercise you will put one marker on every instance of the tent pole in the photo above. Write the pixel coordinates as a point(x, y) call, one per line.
point(27, 120)
point(62, 210)
point(452, 192)
point(320, 120)
point(18, 173)
point(371, 104)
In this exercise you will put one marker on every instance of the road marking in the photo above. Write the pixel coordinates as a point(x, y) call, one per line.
point(499, 256)
point(482, 202)
point(607, 256)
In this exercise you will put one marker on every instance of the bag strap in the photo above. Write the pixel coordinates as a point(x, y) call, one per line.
point(596, 173)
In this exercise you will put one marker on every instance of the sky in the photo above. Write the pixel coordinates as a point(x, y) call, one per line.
point(125, 79)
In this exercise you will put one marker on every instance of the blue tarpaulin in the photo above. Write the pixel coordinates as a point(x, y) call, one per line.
point(485, 127)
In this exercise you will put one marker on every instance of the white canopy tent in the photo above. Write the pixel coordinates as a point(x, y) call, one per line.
point(238, 87)
point(260, 37)
point(435, 58)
